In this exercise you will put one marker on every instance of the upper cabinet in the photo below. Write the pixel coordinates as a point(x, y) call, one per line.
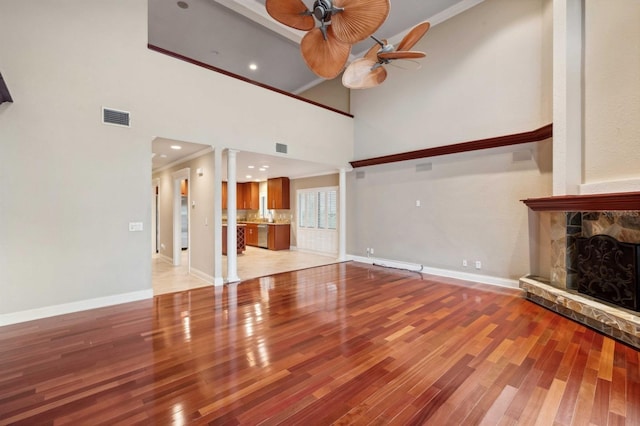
point(247, 196)
point(278, 193)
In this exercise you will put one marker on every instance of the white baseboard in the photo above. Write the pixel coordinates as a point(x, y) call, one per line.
point(67, 308)
point(466, 276)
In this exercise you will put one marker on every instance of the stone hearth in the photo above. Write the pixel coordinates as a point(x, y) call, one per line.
point(612, 321)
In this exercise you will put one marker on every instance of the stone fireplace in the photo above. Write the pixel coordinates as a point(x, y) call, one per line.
point(594, 249)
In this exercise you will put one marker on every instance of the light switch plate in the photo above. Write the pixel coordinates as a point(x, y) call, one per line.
point(135, 226)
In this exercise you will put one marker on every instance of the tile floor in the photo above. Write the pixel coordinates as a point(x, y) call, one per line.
point(254, 262)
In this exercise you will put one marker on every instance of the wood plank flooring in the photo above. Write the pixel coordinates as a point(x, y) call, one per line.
point(339, 344)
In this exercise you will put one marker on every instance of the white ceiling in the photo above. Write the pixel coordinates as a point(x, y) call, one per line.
point(247, 163)
point(231, 34)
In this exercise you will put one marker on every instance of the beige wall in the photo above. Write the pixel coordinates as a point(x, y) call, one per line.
point(306, 183)
point(71, 185)
point(331, 93)
point(612, 90)
point(201, 220)
point(487, 73)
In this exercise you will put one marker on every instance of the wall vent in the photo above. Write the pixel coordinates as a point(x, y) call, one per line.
point(281, 148)
point(115, 117)
point(360, 174)
point(424, 167)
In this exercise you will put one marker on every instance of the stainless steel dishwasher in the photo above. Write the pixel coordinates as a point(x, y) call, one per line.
point(263, 235)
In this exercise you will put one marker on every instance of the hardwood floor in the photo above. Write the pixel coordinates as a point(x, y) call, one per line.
point(345, 343)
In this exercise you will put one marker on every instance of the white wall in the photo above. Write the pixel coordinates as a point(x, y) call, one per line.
point(71, 185)
point(487, 73)
point(612, 91)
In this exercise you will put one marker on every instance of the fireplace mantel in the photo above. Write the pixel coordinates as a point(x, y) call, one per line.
point(594, 202)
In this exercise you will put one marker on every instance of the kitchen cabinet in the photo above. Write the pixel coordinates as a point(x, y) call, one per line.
point(251, 234)
point(224, 195)
point(279, 237)
point(247, 196)
point(278, 193)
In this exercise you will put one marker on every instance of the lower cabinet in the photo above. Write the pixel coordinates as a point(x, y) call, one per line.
point(251, 234)
point(279, 237)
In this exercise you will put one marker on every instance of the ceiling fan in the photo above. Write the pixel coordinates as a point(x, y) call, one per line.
point(369, 70)
point(342, 23)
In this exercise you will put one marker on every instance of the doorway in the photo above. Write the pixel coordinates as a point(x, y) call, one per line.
point(181, 217)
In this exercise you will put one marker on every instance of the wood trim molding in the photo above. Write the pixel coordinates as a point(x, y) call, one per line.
point(239, 77)
point(586, 203)
point(540, 134)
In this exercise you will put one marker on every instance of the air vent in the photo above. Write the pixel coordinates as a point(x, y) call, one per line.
point(281, 148)
point(424, 167)
point(360, 174)
point(115, 117)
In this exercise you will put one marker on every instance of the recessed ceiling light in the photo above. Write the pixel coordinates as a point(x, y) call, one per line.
point(248, 176)
point(163, 155)
point(251, 167)
point(183, 5)
point(262, 169)
point(253, 67)
point(265, 167)
point(176, 147)
point(257, 180)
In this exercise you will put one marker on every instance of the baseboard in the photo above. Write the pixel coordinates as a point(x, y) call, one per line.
point(466, 276)
point(67, 308)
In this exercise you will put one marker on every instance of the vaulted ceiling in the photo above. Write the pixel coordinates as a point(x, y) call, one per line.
point(232, 34)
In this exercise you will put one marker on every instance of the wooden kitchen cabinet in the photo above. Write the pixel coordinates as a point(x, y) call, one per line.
point(240, 239)
point(279, 237)
point(247, 196)
point(278, 193)
point(251, 234)
point(224, 195)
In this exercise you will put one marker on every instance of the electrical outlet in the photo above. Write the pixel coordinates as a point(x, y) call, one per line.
point(464, 262)
point(478, 264)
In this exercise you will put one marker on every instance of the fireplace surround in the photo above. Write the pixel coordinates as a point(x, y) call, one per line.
point(609, 224)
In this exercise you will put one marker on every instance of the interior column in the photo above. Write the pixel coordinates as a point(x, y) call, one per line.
point(568, 19)
point(217, 217)
point(232, 218)
point(342, 216)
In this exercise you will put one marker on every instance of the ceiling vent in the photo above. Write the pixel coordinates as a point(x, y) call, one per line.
point(281, 148)
point(424, 167)
point(360, 174)
point(115, 117)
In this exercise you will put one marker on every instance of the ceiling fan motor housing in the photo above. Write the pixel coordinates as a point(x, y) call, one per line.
point(323, 9)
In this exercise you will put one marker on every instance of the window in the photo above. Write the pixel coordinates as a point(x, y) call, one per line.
point(318, 208)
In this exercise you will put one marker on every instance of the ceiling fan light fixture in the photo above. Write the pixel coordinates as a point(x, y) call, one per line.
point(183, 4)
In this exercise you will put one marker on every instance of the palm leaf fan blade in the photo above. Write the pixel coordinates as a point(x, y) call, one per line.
point(326, 58)
point(363, 74)
point(413, 36)
point(402, 54)
point(292, 13)
point(359, 19)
